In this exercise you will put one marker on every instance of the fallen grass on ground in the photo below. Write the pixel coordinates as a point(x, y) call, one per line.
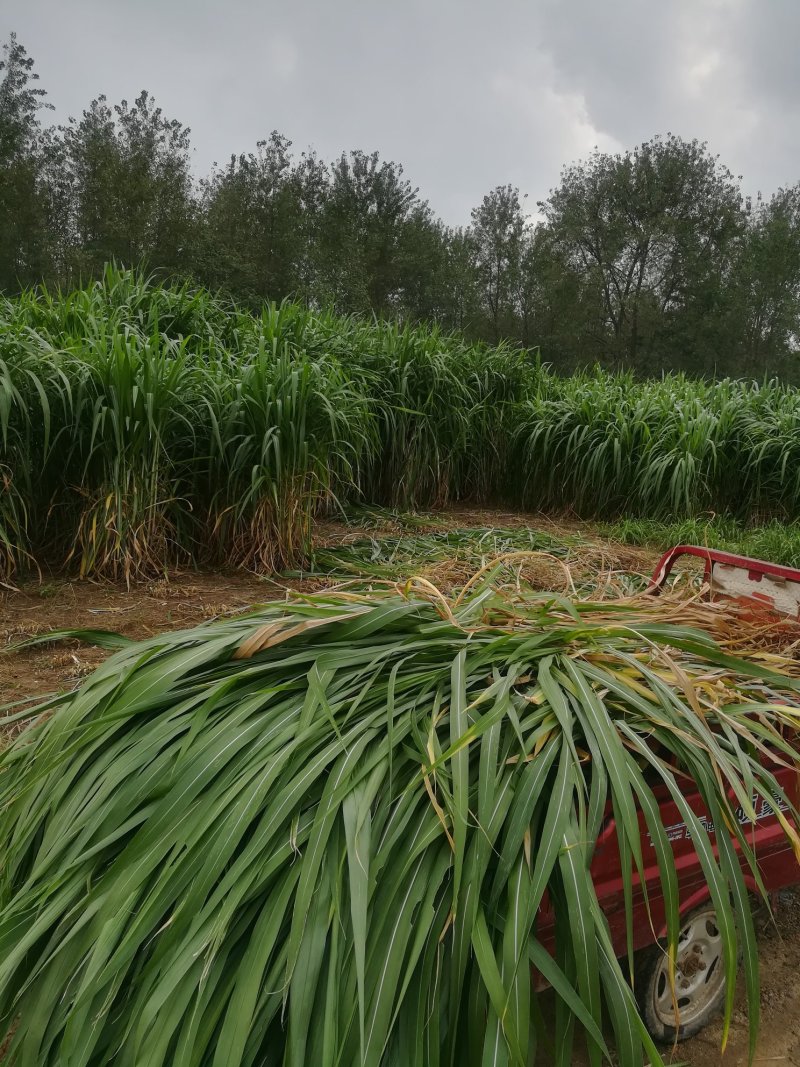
point(29, 673)
point(424, 545)
point(381, 556)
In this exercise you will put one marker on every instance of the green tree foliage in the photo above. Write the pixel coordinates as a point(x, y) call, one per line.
point(768, 284)
point(550, 303)
point(646, 261)
point(252, 208)
point(23, 195)
point(128, 170)
point(370, 218)
point(650, 235)
point(354, 235)
point(498, 226)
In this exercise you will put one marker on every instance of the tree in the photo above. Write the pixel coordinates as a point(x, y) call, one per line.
point(311, 184)
point(455, 284)
point(650, 234)
point(366, 218)
point(252, 212)
point(128, 168)
point(419, 261)
point(546, 298)
point(24, 209)
point(767, 292)
point(497, 231)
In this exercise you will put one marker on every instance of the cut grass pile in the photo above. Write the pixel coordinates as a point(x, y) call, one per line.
point(321, 834)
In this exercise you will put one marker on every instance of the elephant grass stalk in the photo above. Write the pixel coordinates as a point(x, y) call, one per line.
point(144, 425)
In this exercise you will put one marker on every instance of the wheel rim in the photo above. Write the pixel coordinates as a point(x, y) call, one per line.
point(699, 974)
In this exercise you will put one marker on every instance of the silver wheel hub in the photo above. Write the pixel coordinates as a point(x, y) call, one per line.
point(699, 973)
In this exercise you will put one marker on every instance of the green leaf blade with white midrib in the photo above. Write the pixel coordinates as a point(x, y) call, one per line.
point(227, 785)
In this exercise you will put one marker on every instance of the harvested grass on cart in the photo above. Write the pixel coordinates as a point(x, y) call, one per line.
point(321, 834)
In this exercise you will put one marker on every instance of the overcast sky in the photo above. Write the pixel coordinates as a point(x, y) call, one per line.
point(466, 95)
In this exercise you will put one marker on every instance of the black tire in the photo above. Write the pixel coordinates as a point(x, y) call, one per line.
point(699, 983)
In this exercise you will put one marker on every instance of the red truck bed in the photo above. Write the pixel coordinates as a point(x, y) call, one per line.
point(776, 860)
point(770, 591)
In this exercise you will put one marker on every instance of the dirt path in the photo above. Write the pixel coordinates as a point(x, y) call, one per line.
point(191, 598)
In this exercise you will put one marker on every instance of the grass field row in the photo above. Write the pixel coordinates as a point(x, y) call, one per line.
point(776, 541)
point(144, 425)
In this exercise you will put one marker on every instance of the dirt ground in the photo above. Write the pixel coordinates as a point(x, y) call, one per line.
point(184, 601)
point(193, 597)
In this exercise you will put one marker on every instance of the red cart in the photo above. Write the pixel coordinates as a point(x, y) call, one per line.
point(769, 590)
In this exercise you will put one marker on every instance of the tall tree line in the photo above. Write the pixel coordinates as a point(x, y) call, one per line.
point(648, 260)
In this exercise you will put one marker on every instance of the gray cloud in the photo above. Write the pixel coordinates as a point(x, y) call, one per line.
point(466, 95)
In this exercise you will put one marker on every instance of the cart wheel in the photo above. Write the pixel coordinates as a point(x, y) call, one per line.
point(699, 980)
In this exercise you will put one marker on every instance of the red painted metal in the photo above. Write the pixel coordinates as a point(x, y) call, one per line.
point(715, 555)
point(756, 577)
point(777, 863)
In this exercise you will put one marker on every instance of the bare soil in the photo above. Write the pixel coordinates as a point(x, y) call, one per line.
point(183, 601)
point(193, 597)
